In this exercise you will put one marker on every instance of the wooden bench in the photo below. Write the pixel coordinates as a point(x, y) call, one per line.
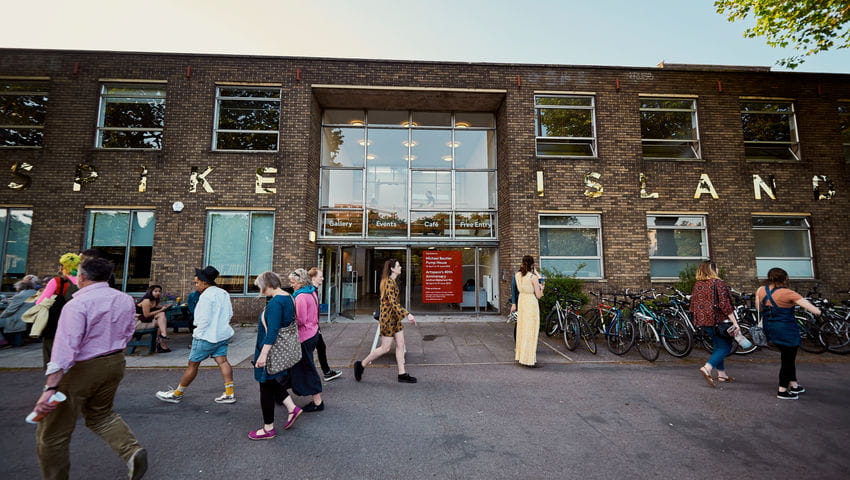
point(138, 340)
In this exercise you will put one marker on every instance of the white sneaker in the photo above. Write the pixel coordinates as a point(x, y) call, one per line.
point(169, 396)
point(225, 398)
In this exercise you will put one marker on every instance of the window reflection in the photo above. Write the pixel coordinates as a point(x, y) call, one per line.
point(433, 148)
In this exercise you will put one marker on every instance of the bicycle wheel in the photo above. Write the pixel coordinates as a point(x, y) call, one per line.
point(835, 334)
point(620, 336)
point(676, 336)
point(809, 333)
point(550, 326)
point(592, 318)
point(588, 334)
point(647, 342)
point(570, 331)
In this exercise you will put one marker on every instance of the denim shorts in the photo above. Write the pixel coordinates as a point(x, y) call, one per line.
point(202, 349)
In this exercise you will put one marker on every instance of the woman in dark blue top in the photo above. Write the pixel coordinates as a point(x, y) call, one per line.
point(279, 313)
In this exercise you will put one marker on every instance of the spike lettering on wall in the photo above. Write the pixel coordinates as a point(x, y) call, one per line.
point(195, 178)
point(262, 180)
point(143, 179)
point(590, 182)
point(22, 180)
point(705, 186)
point(822, 187)
point(84, 173)
point(759, 185)
point(643, 191)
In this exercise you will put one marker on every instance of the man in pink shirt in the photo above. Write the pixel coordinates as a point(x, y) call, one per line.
point(87, 365)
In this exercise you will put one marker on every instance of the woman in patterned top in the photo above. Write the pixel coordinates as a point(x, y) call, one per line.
point(392, 313)
point(710, 291)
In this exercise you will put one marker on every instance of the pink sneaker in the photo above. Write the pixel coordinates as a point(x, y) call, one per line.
point(292, 417)
point(266, 435)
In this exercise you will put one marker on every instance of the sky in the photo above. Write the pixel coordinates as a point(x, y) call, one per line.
point(638, 33)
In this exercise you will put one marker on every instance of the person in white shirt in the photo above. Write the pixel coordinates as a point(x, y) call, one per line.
point(210, 338)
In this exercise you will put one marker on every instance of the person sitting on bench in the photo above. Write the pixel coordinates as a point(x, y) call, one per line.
point(151, 313)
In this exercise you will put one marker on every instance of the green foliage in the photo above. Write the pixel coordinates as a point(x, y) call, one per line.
point(808, 26)
point(560, 287)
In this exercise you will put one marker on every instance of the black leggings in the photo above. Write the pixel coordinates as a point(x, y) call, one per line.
point(271, 392)
point(788, 370)
point(321, 350)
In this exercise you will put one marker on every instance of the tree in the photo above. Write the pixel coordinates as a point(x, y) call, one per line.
point(808, 26)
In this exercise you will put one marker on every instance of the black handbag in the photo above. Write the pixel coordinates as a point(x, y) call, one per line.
point(377, 315)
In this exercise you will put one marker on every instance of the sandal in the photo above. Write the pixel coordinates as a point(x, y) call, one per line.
point(726, 379)
point(707, 377)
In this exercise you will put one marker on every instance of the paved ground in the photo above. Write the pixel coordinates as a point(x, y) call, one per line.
point(474, 414)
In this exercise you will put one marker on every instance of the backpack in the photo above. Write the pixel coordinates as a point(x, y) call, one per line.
point(64, 293)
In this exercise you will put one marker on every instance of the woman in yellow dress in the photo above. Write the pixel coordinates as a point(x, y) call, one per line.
point(528, 312)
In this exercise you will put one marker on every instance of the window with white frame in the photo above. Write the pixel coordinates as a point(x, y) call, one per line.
point(15, 225)
point(784, 242)
point(770, 130)
point(126, 238)
point(240, 245)
point(844, 126)
point(23, 108)
point(247, 118)
point(565, 125)
point(675, 242)
point(669, 128)
point(131, 116)
point(571, 244)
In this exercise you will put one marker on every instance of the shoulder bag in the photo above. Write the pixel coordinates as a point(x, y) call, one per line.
point(722, 326)
point(757, 332)
point(286, 350)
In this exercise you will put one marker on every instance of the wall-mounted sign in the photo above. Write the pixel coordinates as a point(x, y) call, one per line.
point(441, 276)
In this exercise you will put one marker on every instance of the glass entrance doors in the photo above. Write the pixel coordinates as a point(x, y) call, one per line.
point(353, 279)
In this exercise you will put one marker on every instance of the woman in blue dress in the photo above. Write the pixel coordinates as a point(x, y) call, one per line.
point(279, 313)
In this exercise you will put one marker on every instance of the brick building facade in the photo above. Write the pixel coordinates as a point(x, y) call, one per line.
point(614, 198)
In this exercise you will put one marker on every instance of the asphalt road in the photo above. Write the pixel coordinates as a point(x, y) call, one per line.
point(474, 421)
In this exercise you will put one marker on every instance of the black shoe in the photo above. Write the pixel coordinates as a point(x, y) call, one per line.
point(786, 395)
point(797, 390)
point(358, 370)
point(406, 378)
point(312, 407)
point(536, 365)
point(137, 465)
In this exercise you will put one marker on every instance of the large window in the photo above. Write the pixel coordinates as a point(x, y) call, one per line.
point(565, 125)
point(783, 242)
point(402, 174)
point(240, 246)
point(844, 125)
point(126, 238)
point(675, 242)
point(770, 130)
point(247, 119)
point(131, 116)
point(571, 244)
point(15, 226)
point(669, 128)
point(23, 107)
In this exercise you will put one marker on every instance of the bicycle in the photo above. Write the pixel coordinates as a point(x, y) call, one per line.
point(647, 341)
point(620, 333)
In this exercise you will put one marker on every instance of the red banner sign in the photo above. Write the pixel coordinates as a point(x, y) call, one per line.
point(442, 276)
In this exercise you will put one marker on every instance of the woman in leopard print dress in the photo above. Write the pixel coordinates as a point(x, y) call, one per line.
point(392, 313)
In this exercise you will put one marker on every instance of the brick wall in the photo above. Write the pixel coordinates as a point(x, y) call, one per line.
point(59, 213)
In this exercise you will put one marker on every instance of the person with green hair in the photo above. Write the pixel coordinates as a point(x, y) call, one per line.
point(62, 285)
